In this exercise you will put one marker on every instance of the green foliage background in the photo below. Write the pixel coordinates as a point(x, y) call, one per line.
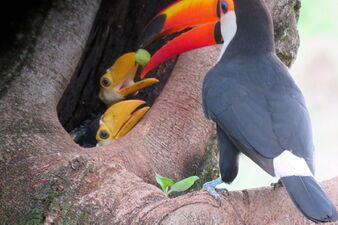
point(318, 18)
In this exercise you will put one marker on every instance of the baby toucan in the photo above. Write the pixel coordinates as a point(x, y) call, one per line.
point(118, 81)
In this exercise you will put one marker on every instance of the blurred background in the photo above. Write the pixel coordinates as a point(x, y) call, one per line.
point(316, 72)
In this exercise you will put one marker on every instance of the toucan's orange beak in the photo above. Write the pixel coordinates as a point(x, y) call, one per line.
point(204, 35)
point(195, 21)
point(181, 15)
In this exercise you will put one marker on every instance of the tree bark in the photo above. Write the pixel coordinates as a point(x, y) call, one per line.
point(46, 177)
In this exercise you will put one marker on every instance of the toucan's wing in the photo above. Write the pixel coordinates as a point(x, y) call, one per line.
point(201, 36)
point(265, 122)
point(244, 116)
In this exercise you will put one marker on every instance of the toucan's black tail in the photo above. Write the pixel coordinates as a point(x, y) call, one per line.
point(310, 199)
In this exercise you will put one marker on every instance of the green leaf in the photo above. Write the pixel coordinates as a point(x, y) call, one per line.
point(164, 182)
point(184, 184)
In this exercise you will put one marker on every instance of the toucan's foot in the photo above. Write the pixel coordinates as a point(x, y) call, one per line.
point(276, 185)
point(221, 188)
point(215, 187)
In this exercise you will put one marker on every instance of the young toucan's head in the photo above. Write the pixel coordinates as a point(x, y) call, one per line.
point(197, 23)
point(119, 119)
point(118, 82)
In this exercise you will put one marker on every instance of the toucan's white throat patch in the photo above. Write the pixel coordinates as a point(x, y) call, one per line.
point(228, 30)
point(287, 164)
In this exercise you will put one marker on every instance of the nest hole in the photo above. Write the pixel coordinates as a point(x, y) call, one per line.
point(116, 30)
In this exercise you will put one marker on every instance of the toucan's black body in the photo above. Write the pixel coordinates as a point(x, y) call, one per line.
point(255, 102)
point(260, 111)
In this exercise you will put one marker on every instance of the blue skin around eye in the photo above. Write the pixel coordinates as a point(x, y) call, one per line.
point(224, 7)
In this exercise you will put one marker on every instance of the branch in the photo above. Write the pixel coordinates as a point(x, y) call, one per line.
point(123, 198)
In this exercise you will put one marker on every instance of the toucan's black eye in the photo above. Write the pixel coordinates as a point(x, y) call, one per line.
point(105, 82)
point(224, 7)
point(104, 134)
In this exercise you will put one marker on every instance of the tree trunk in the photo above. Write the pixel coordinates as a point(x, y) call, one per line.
point(46, 177)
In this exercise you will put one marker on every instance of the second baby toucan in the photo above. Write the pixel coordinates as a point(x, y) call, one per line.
point(119, 119)
point(118, 81)
point(250, 95)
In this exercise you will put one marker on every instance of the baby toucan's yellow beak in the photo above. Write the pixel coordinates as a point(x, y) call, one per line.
point(119, 119)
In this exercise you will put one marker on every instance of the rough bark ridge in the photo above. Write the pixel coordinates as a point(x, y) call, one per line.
point(46, 178)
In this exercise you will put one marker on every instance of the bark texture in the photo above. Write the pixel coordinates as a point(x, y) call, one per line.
point(47, 178)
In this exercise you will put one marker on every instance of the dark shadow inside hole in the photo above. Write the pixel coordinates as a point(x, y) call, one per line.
point(116, 30)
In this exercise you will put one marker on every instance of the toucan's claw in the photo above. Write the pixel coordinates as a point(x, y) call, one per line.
point(214, 188)
point(212, 191)
point(201, 36)
point(131, 89)
point(277, 185)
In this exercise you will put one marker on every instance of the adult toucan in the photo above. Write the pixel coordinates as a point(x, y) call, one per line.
point(119, 119)
point(250, 95)
point(118, 81)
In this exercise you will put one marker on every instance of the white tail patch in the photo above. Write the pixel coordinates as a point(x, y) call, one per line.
point(288, 164)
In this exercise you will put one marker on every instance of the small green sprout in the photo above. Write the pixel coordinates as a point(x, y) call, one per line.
point(168, 186)
point(142, 57)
